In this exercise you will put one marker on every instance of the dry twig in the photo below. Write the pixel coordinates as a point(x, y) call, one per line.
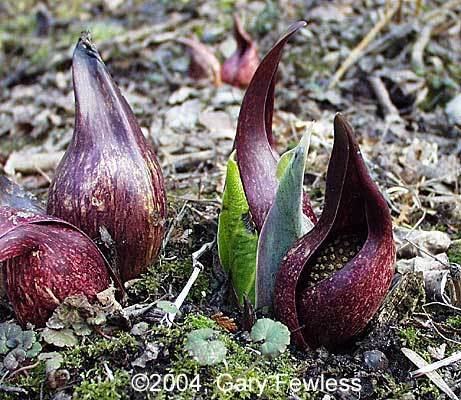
point(168, 319)
point(439, 364)
point(384, 100)
point(358, 51)
point(433, 376)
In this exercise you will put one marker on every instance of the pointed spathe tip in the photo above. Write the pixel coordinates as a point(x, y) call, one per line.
point(85, 46)
point(339, 119)
point(295, 26)
point(342, 126)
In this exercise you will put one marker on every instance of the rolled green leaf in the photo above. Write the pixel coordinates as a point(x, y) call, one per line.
point(237, 238)
point(285, 222)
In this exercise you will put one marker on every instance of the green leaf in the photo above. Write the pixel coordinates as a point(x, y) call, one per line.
point(28, 339)
point(140, 328)
point(12, 333)
point(81, 329)
point(274, 335)
point(13, 337)
point(53, 361)
point(34, 350)
point(98, 319)
point(203, 346)
point(3, 347)
point(60, 338)
point(284, 223)
point(237, 238)
point(14, 358)
point(283, 163)
point(167, 306)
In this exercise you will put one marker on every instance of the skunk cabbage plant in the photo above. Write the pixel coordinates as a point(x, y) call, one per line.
point(334, 278)
point(239, 68)
point(324, 279)
point(44, 259)
point(203, 63)
point(109, 176)
point(254, 173)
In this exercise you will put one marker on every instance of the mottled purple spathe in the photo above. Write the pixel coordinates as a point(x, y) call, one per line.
point(109, 176)
point(339, 307)
point(45, 259)
point(256, 157)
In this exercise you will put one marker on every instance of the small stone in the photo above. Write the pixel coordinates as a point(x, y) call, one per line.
point(375, 360)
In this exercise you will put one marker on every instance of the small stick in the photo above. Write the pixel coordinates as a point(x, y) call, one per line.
point(25, 368)
point(12, 389)
point(416, 359)
point(31, 163)
point(427, 253)
point(432, 367)
point(420, 45)
point(198, 267)
point(357, 52)
point(108, 371)
point(136, 310)
point(438, 303)
point(383, 97)
point(433, 325)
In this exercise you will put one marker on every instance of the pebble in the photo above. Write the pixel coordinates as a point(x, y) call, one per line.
point(375, 360)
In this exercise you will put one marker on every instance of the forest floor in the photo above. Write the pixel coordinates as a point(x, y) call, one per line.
point(399, 95)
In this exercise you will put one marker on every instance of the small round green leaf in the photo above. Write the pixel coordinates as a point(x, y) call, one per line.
point(204, 347)
point(274, 336)
point(60, 338)
point(14, 358)
point(167, 306)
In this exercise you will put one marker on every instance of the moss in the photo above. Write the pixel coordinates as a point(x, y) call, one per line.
point(14, 143)
point(454, 252)
point(454, 321)
point(226, 5)
point(242, 361)
point(389, 388)
point(32, 382)
point(410, 336)
point(69, 9)
point(98, 350)
point(264, 22)
point(101, 31)
point(175, 273)
point(24, 24)
point(441, 90)
point(42, 55)
point(198, 321)
point(99, 388)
